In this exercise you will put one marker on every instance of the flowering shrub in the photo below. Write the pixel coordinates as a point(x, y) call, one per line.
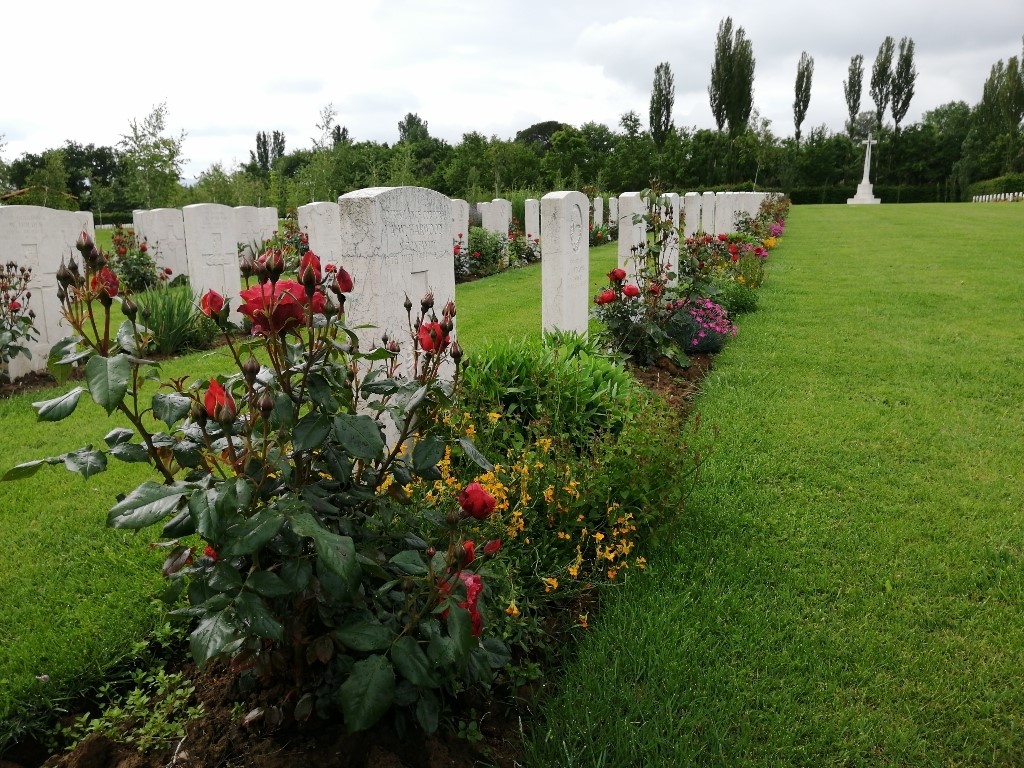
point(599, 235)
point(460, 252)
point(488, 252)
point(288, 240)
point(523, 247)
point(134, 263)
point(287, 517)
point(702, 326)
point(17, 319)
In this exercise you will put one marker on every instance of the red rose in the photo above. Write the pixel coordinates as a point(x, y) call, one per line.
point(143, 247)
point(105, 281)
point(330, 269)
point(492, 547)
point(474, 586)
point(343, 280)
point(456, 249)
point(432, 337)
point(617, 275)
point(630, 290)
point(273, 309)
point(14, 306)
point(312, 261)
point(168, 271)
point(212, 303)
point(460, 235)
point(218, 403)
point(606, 296)
point(468, 552)
point(656, 289)
point(319, 302)
point(476, 502)
point(122, 251)
point(723, 237)
point(211, 553)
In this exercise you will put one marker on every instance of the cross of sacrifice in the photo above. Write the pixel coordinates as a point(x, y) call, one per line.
point(867, 157)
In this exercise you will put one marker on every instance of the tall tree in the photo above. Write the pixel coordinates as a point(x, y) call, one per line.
point(804, 73)
point(852, 88)
point(731, 91)
point(261, 157)
point(412, 128)
point(152, 160)
point(276, 146)
point(881, 80)
point(903, 81)
point(663, 97)
point(718, 89)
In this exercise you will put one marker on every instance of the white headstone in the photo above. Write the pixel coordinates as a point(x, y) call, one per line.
point(598, 212)
point(250, 234)
point(691, 214)
point(613, 209)
point(460, 221)
point(565, 269)
point(497, 216)
point(268, 221)
point(211, 244)
point(630, 235)
point(321, 222)
point(37, 237)
point(531, 216)
point(397, 243)
point(163, 230)
point(707, 213)
point(725, 205)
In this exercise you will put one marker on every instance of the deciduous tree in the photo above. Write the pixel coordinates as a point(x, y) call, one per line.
point(663, 97)
point(804, 73)
point(881, 80)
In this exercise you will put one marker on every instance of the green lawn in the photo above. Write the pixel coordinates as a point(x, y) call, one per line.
point(846, 587)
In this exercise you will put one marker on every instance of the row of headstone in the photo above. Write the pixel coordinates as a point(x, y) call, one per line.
point(37, 237)
point(1004, 197)
point(163, 229)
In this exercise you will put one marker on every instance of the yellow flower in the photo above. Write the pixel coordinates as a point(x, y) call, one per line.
point(544, 443)
point(512, 610)
point(550, 584)
point(583, 623)
point(599, 537)
point(471, 431)
point(493, 417)
point(549, 494)
point(612, 573)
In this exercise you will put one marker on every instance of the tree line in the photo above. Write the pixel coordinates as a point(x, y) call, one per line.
point(951, 147)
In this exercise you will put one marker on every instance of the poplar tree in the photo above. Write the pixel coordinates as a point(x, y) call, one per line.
point(881, 80)
point(663, 97)
point(852, 88)
point(903, 81)
point(804, 73)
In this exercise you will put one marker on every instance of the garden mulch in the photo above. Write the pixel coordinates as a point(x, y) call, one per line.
point(219, 738)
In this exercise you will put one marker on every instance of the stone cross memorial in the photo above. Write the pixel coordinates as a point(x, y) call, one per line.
point(565, 269)
point(865, 190)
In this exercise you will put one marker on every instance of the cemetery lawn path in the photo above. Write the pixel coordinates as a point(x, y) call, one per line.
point(846, 587)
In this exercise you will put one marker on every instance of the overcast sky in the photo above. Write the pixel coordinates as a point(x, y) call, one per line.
point(228, 69)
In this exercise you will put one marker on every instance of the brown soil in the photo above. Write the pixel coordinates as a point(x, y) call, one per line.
point(220, 739)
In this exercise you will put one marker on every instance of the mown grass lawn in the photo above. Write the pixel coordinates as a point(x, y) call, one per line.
point(847, 585)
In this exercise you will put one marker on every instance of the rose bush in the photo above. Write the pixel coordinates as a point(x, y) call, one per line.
point(17, 318)
point(292, 541)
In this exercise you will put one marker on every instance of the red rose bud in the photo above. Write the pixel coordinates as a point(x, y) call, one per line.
point(468, 552)
point(211, 304)
point(143, 247)
point(456, 353)
point(656, 289)
point(606, 296)
point(427, 302)
point(211, 553)
point(14, 306)
point(218, 402)
point(246, 267)
point(84, 244)
point(492, 547)
point(722, 237)
point(250, 370)
point(432, 337)
point(105, 285)
point(449, 309)
point(275, 263)
point(476, 502)
point(631, 291)
point(130, 309)
point(617, 275)
point(343, 281)
point(311, 261)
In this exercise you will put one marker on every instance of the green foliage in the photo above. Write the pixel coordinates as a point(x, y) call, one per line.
point(134, 263)
point(17, 319)
point(488, 252)
point(737, 298)
point(172, 322)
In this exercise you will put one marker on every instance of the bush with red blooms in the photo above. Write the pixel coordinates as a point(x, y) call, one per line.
point(283, 490)
point(17, 318)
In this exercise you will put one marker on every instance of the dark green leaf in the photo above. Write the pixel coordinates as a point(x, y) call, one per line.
point(474, 455)
point(183, 524)
point(460, 628)
point(365, 636)
point(379, 387)
point(256, 618)
point(296, 574)
point(410, 562)
point(368, 693)
point(304, 524)
point(117, 436)
point(108, 380)
point(359, 435)
point(224, 578)
point(427, 453)
point(310, 431)
point(249, 536)
point(497, 652)
point(187, 453)
point(268, 584)
point(338, 553)
point(171, 408)
point(126, 337)
point(412, 663)
point(130, 452)
point(321, 392)
point(428, 711)
point(86, 461)
point(27, 469)
point(212, 636)
point(209, 521)
point(60, 407)
point(146, 505)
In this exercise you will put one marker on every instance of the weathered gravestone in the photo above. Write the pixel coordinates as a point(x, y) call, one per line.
point(565, 269)
point(631, 235)
point(211, 244)
point(163, 231)
point(613, 209)
point(460, 222)
point(724, 206)
point(497, 216)
point(397, 243)
point(707, 213)
point(321, 222)
point(254, 226)
point(531, 219)
point(598, 212)
point(38, 238)
point(691, 214)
